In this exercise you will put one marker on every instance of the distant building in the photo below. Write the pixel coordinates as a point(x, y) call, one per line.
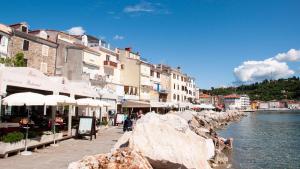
point(291, 104)
point(205, 99)
point(245, 102)
point(232, 102)
point(263, 105)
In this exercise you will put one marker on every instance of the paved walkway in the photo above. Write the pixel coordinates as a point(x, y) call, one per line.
point(68, 151)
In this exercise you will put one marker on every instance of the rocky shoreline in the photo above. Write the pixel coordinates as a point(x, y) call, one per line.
point(175, 140)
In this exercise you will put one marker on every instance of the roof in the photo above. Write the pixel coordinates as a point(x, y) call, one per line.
point(232, 96)
point(5, 29)
point(204, 96)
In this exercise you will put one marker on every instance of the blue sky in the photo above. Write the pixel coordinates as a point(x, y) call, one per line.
point(207, 38)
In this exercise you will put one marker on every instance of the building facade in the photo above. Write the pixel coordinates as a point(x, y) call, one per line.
point(5, 35)
point(39, 52)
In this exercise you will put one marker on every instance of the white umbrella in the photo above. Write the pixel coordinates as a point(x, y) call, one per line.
point(59, 99)
point(25, 98)
point(104, 103)
point(88, 102)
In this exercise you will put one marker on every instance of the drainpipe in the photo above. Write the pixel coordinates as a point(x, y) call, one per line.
point(140, 80)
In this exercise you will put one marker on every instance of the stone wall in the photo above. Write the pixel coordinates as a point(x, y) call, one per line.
point(34, 54)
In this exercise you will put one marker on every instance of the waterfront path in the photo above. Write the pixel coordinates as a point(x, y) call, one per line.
point(67, 151)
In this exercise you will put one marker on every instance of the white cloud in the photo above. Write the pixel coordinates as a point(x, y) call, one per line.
point(78, 30)
point(140, 7)
point(292, 55)
point(118, 37)
point(253, 71)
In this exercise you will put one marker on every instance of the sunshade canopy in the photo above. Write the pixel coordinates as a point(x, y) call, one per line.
point(25, 98)
point(59, 99)
point(89, 102)
point(135, 103)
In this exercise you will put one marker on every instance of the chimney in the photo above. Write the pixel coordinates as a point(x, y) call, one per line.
point(100, 42)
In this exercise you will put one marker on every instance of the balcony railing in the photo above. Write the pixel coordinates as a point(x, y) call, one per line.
point(110, 63)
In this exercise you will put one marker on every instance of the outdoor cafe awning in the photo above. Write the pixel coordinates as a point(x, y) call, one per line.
point(25, 98)
point(135, 104)
point(91, 102)
point(35, 99)
point(59, 99)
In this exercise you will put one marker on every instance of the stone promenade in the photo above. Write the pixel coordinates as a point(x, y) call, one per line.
point(67, 151)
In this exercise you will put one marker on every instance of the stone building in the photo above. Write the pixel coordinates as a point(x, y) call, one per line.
point(39, 52)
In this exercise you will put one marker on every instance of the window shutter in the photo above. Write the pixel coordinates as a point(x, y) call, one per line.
point(45, 50)
point(44, 67)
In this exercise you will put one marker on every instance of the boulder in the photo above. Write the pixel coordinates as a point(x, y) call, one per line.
point(123, 158)
point(167, 142)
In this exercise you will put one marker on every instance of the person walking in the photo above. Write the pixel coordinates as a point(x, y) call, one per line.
point(127, 124)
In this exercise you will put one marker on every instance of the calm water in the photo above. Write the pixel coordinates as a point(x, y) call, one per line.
point(266, 140)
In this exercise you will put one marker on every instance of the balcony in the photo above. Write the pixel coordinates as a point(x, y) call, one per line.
point(131, 97)
point(110, 63)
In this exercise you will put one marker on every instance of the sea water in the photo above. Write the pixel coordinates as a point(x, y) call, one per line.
point(265, 140)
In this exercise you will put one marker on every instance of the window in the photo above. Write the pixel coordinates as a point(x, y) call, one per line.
point(25, 45)
point(24, 29)
point(3, 40)
point(158, 75)
point(122, 66)
point(151, 73)
point(43, 67)
point(107, 57)
point(45, 50)
point(177, 87)
point(177, 77)
point(182, 88)
point(126, 89)
point(178, 98)
point(181, 78)
point(174, 86)
point(174, 97)
point(174, 76)
point(66, 55)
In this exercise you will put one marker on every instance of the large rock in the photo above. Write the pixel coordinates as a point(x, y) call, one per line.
point(168, 143)
point(123, 158)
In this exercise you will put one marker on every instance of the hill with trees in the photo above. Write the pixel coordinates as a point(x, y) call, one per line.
point(265, 90)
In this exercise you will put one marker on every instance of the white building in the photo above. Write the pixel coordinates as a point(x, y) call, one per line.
point(232, 102)
point(5, 32)
point(245, 102)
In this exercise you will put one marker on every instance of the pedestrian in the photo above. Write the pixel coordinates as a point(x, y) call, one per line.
point(127, 124)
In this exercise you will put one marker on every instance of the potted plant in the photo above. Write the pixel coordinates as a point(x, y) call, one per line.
point(11, 141)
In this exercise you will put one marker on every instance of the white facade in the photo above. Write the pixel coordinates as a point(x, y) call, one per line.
point(4, 40)
point(245, 102)
point(178, 87)
point(232, 103)
point(145, 85)
point(263, 105)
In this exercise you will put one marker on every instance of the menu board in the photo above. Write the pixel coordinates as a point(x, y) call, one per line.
point(85, 125)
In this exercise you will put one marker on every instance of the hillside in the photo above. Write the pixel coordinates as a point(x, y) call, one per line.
point(266, 90)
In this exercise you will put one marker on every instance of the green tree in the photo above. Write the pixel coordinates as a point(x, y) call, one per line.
point(19, 60)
